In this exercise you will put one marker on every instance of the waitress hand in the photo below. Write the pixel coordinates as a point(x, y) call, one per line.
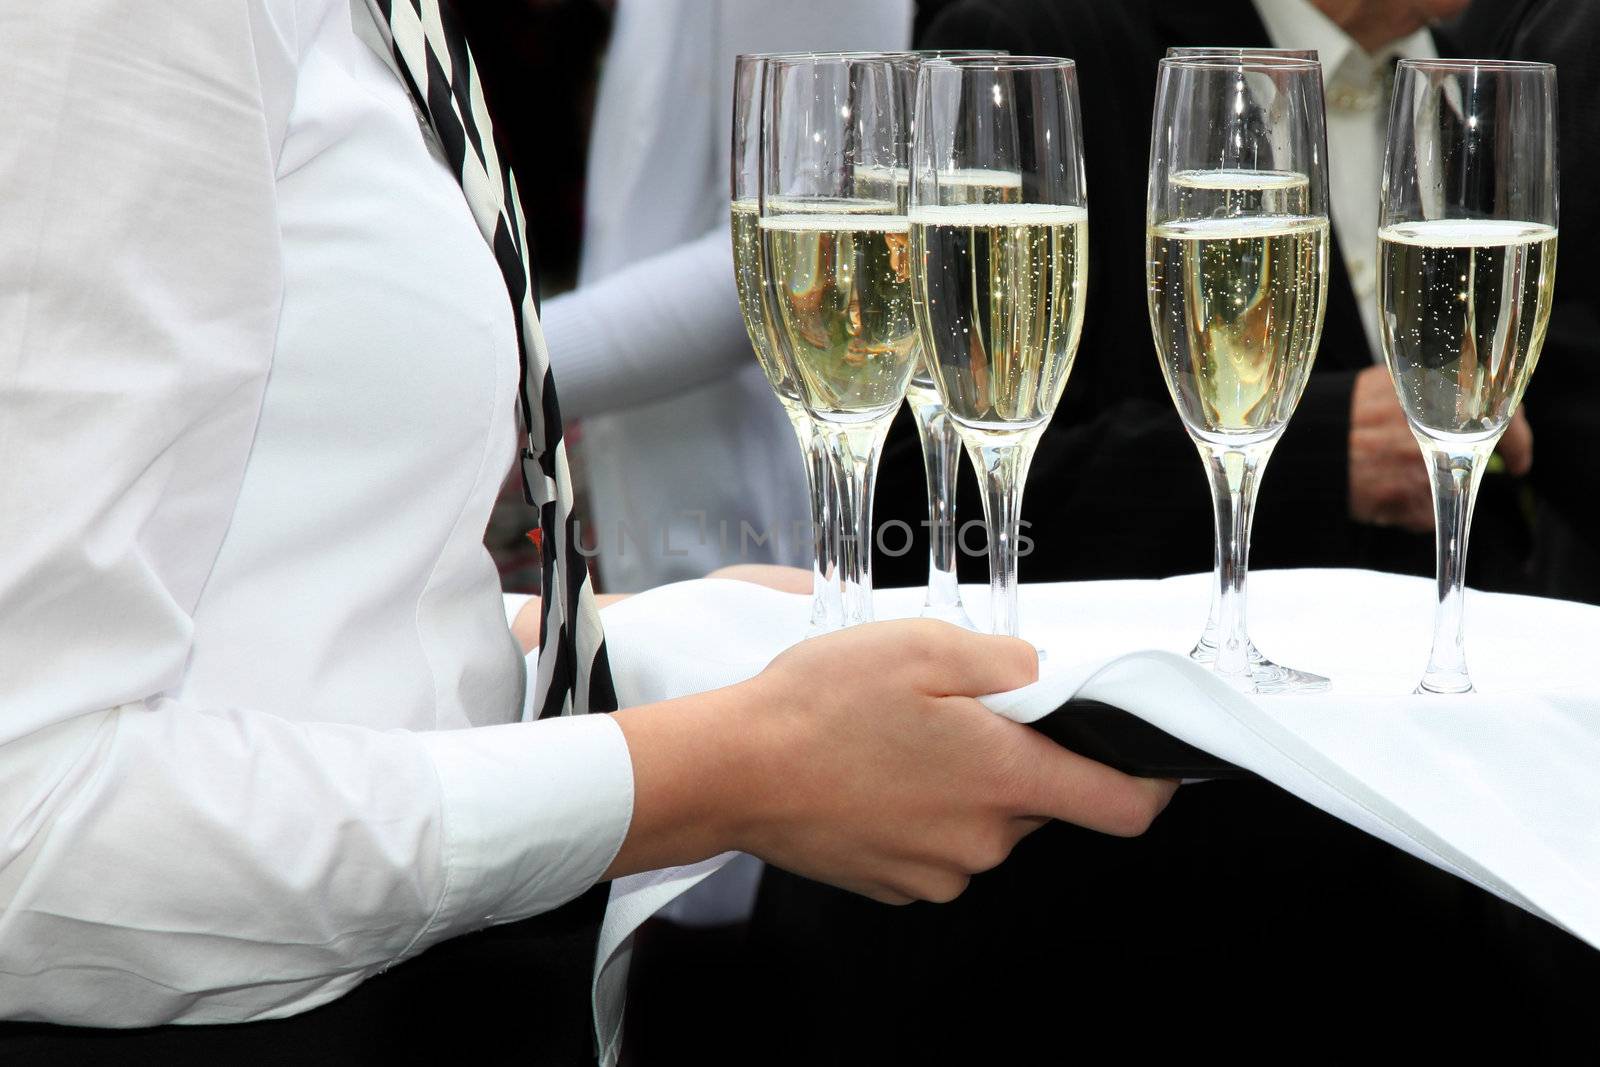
point(862, 759)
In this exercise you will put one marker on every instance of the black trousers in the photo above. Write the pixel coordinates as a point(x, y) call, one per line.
point(512, 994)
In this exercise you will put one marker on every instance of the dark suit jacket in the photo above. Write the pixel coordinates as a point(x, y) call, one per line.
point(1117, 488)
point(1563, 403)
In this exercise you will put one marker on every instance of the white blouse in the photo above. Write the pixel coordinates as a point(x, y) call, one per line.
point(257, 385)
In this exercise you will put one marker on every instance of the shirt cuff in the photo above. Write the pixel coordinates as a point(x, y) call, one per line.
point(533, 815)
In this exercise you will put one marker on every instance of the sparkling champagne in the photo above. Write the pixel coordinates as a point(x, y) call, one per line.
point(999, 294)
point(840, 282)
point(968, 185)
point(1464, 308)
point(1236, 308)
point(749, 279)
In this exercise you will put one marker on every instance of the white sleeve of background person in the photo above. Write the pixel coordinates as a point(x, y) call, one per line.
point(657, 327)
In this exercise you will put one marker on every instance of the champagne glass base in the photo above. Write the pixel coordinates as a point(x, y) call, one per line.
point(1204, 651)
point(1446, 685)
point(1265, 677)
point(826, 611)
point(1269, 678)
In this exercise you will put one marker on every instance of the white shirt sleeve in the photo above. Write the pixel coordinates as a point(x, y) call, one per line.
point(666, 324)
point(161, 861)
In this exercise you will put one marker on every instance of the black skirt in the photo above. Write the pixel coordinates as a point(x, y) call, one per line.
point(512, 994)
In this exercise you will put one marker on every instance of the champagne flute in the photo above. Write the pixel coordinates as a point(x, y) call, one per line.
point(1237, 266)
point(1467, 261)
point(941, 444)
point(827, 609)
point(836, 263)
point(999, 283)
point(1205, 649)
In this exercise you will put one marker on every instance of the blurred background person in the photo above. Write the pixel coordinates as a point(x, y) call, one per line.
point(684, 445)
point(1562, 406)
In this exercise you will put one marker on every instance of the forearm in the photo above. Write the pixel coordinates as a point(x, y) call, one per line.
point(694, 776)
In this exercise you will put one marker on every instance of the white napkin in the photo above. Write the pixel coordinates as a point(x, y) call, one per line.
point(1501, 787)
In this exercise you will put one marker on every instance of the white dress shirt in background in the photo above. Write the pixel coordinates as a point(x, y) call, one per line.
point(1356, 86)
point(654, 327)
point(257, 387)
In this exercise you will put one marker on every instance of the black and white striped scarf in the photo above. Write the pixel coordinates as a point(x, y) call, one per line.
point(573, 675)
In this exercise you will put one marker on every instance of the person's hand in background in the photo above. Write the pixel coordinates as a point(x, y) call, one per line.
point(1388, 480)
point(1388, 475)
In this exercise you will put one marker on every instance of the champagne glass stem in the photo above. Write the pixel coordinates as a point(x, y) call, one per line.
point(1235, 473)
point(827, 612)
point(1003, 469)
point(1455, 474)
point(854, 450)
point(1205, 649)
point(941, 460)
